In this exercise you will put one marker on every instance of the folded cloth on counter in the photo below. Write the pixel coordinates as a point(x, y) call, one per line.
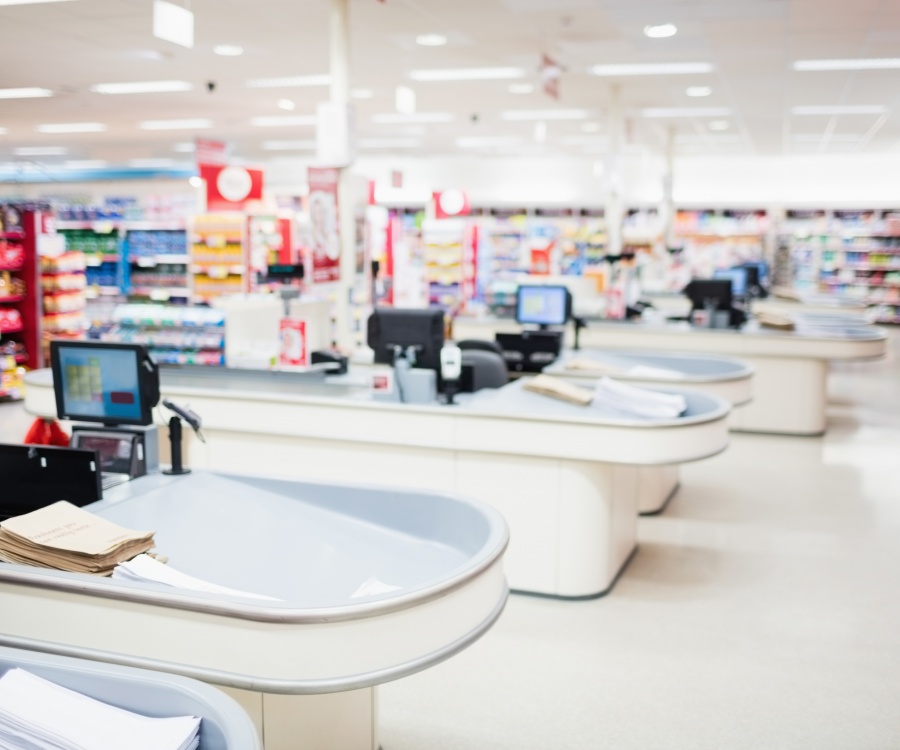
point(65, 537)
point(36, 714)
point(641, 402)
point(145, 568)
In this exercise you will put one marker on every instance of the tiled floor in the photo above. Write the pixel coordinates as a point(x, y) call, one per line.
point(762, 612)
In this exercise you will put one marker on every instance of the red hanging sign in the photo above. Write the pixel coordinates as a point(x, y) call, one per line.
point(293, 343)
point(323, 217)
point(231, 188)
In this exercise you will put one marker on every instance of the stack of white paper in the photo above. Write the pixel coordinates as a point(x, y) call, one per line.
point(611, 394)
point(39, 715)
point(146, 568)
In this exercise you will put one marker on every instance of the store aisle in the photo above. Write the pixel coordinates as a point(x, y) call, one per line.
point(760, 612)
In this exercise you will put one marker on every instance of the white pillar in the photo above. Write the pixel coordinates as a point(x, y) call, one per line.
point(668, 202)
point(340, 95)
point(614, 209)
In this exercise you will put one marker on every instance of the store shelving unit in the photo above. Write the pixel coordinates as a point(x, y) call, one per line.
point(848, 254)
point(444, 261)
point(218, 256)
point(63, 285)
point(176, 335)
point(100, 242)
point(718, 239)
point(157, 262)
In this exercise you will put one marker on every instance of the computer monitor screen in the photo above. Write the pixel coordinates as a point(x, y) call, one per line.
point(739, 277)
point(422, 329)
point(705, 293)
point(104, 382)
point(543, 305)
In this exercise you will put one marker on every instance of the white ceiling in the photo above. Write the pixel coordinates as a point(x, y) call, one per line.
point(68, 46)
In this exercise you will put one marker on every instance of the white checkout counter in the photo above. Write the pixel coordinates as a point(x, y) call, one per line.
point(729, 379)
point(224, 724)
point(305, 664)
point(566, 478)
point(791, 367)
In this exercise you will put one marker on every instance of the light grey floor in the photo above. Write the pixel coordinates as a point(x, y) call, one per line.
point(761, 612)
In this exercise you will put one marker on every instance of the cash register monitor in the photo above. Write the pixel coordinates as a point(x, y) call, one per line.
point(543, 305)
point(739, 277)
point(112, 383)
point(715, 293)
point(422, 329)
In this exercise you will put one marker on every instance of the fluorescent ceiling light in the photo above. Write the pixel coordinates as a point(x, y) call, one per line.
point(276, 121)
point(486, 141)
point(840, 109)
point(289, 82)
point(288, 145)
point(3, 131)
point(141, 87)
point(706, 138)
point(27, 93)
point(72, 127)
point(288, 104)
point(195, 124)
point(521, 88)
point(652, 69)
point(591, 127)
point(584, 140)
point(661, 31)
point(655, 112)
point(86, 164)
point(185, 148)
point(819, 137)
point(859, 63)
point(151, 163)
point(515, 115)
point(719, 125)
point(228, 50)
point(466, 74)
point(173, 23)
point(40, 151)
point(361, 93)
point(540, 131)
point(698, 91)
point(389, 142)
point(392, 118)
point(431, 40)
point(29, 2)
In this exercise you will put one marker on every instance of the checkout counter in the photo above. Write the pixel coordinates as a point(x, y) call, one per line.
point(366, 586)
point(791, 367)
point(566, 478)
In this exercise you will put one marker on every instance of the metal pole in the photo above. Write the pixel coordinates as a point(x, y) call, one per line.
point(614, 210)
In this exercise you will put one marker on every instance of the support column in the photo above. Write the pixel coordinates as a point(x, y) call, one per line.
point(340, 96)
point(668, 201)
point(614, 210)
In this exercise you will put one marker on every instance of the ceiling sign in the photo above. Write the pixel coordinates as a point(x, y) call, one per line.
point(549, 74)
point(230, 188)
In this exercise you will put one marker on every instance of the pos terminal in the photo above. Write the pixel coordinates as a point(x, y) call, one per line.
point(115, 387)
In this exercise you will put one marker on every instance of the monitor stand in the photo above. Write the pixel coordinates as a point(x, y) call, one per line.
point(128, 450)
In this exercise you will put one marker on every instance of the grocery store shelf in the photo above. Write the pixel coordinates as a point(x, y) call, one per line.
point(10, 300)
point(93, 260)
point(12, 235)
point(16, 329)
point(12, 268)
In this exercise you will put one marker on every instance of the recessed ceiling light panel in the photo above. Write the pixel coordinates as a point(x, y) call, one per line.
point(514, 115)
point(26, 93)
point(652, 69)
point(72, 127)
point(393, 118)
point(194, 124)
point(361, 93)
point(660, 31)
point(29, 2)
point(521, 88)
point(719, 125)
point(290, 82)
point(859, 63)
point(431, 40)
point(466, 74)
point(228, 50)
point(141, 87)
point(698, 91)
point(280, 121)
point(665, 112)
point(287, 104)
point(840, 109)
point(288, 145)
point(487, 141)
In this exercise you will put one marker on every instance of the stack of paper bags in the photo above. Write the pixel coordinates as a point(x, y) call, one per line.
point(64, 537)
point(41, 715)
point(559, 389)
point(638, 401)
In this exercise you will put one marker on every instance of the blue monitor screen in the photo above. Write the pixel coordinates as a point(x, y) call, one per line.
point(738, 278)
point(100, 384)
point(542, 305)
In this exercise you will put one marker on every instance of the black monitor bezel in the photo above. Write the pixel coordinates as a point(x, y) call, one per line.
point(428, 359)
point(548, 287)
point(147, 370)
point(724, 302)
